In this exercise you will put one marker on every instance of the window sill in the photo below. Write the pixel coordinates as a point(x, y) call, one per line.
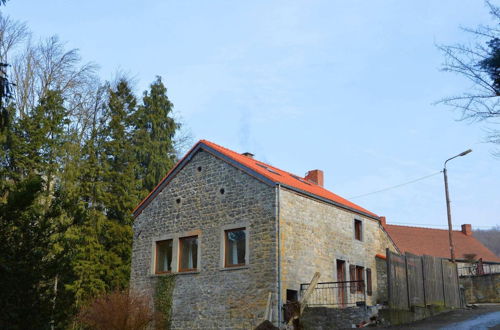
point(188, 272)
point(234, 268)
point(175, 273)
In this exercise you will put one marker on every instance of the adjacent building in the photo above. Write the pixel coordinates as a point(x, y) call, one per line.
point(473, 258)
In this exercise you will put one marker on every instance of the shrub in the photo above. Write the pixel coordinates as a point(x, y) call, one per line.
point(118, 310)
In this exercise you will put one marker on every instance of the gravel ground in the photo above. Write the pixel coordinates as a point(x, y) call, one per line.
point(486, 316)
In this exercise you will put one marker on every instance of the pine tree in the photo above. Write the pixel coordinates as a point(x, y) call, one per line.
point(121, 189)
point(154, 134)
point(119, 160)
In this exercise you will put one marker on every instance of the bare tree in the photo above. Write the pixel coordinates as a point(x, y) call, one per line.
point(479, 62)
point(12, 33)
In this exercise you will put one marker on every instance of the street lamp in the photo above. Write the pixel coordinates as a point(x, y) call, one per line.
point(450, 228)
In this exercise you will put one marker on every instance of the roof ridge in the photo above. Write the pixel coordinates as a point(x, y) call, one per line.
point(458, 231)
point(320, 192)
point(267, 172)
point(259, 161)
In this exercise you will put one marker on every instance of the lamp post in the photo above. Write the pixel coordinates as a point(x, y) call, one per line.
point(448, 210)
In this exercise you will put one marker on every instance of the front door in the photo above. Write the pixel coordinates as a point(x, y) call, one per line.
point(341, 277)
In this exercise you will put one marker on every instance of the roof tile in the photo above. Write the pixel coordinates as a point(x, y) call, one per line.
point(435, 242)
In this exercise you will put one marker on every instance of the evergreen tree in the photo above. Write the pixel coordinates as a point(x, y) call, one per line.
point(121, 189)
point(24, 233)
point(119, 162)
point(154, 134)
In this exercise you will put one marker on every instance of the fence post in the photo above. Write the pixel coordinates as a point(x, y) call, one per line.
point(389, 284)
point(443, 285)
point(458, 287)
point(407, 282)
point(423, 278)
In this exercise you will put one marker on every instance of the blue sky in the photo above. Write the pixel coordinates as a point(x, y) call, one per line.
point(343, 86)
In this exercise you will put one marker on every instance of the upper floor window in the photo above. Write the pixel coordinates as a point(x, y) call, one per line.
point(163, 256)
point(235, 247)
point(358, 230)
point(188, 253)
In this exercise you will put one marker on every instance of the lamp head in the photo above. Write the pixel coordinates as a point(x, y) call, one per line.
point(465, 152)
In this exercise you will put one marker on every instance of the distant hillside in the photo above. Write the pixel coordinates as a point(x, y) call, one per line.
point(490, 238)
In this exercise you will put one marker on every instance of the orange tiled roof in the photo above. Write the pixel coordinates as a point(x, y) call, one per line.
point(435, 242)
point(269, 172)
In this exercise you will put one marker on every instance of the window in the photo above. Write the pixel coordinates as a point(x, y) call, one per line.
point(358, 230)
point(369, 281)
point(356, 273)
point(235, 247)
point(188, 254)
point(360, 277)
point(292, 295)
point(163, 256)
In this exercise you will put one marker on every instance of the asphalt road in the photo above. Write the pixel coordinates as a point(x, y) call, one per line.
point(486, 316)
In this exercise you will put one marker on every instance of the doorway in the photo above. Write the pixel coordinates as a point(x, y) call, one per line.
point(341, 277)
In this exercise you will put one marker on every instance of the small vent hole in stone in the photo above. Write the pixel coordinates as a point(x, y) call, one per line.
point(199, 168)
point(178, 200)
point(222, 191)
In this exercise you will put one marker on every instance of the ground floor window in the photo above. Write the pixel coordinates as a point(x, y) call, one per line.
point(356, 273)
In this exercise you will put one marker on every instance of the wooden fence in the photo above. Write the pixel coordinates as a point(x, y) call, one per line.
point(421, 281)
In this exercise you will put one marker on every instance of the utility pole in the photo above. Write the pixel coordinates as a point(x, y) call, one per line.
point(448, 207)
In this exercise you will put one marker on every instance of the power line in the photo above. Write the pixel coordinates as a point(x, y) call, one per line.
point(434, 225)
point(396, 186)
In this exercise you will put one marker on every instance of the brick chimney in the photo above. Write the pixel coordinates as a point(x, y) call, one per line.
point(315, 176)
point(467, 229)
point(383, 222)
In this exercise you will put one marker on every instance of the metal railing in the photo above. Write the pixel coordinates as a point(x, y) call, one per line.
point(475, 269)
point(339, 294)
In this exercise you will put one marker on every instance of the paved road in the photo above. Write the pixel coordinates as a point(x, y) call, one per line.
point(486, 316)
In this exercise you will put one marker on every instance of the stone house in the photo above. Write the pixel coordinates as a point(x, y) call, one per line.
point(233, 229)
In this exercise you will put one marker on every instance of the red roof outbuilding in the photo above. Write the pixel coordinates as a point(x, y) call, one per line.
point(435, 242)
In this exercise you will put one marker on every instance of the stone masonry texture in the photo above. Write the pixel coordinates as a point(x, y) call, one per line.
point(315, 234)
point(481, 289)
point(206, 196)
point(213, 297)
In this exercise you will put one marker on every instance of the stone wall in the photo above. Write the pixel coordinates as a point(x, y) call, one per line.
point(382, 293)
point(481, 289)
point(213, 297)
point(324, 318)
point(315, 234)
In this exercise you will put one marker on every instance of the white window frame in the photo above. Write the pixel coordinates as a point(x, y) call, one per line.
point(223, 245)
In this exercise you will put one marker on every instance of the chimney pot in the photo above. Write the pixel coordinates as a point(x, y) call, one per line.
point(315, 176)
point(467, 229)
point(248, 154)
point(383, 222)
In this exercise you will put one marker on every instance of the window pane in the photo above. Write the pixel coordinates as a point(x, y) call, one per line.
point(189, 253)
point(357, 229)
point(164, 256)
point(235, 247)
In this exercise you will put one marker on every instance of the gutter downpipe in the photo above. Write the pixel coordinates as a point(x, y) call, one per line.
point(278, 239)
